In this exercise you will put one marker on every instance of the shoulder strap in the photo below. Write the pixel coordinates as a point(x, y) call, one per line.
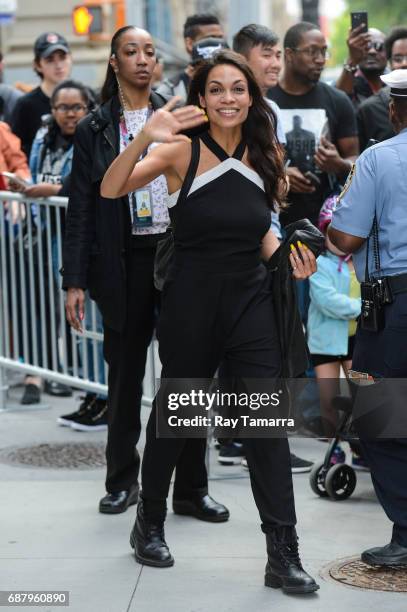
point(191, 172)
point(158, 99)
point(374, 234)
point(213, 146)
point(217, 150)
point(240, 149)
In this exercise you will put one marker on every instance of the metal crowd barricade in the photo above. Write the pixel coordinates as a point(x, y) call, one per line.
point(34, 336)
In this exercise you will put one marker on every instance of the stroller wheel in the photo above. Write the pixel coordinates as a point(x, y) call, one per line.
point(317, 479)
point(340, 481)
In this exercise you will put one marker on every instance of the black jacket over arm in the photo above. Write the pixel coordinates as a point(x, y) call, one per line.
point(98, 230)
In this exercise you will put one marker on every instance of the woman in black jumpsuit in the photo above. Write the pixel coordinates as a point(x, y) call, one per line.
point(216, 305)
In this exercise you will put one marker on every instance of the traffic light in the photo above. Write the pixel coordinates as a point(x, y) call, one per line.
point(87, 19)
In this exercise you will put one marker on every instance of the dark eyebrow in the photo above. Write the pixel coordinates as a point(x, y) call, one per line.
point(134, 44)
point(234, 83)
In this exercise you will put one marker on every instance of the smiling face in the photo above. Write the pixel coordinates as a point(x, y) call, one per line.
point(227, 99)
point(265, 62)
point(135, 59)
point(69, 108)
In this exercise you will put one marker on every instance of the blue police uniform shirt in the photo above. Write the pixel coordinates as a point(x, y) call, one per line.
point(378, 185)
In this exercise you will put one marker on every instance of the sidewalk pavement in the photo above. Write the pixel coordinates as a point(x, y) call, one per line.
point(53, 538)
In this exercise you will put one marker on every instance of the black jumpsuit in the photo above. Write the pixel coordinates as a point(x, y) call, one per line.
point(217, 308)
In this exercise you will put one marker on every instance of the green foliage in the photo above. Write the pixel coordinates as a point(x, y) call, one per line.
point(383, 14)
point(337, 40)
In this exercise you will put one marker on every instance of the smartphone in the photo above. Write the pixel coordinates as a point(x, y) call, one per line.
point(313, 178)
point(15, 179)
point(357, 18)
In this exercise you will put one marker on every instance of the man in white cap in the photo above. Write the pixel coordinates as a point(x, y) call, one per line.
point(373, 205)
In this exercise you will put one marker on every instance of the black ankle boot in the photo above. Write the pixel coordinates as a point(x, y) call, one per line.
point(147, 539)
point(284, 569)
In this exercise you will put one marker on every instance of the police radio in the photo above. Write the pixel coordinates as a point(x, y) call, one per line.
point(375, 295)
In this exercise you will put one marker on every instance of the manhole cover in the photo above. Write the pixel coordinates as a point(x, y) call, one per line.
point(68, 456)
point(354, 573)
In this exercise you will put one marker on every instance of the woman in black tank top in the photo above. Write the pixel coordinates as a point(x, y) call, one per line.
point(217, 306)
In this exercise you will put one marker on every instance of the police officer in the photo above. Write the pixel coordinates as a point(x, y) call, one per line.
point(377, 188)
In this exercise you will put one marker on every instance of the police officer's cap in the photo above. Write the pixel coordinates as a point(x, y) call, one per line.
point(397, 81)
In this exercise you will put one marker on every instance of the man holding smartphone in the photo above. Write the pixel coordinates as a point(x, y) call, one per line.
point(367, 60)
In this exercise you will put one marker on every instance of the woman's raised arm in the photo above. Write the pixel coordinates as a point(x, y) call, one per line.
point(127, 173)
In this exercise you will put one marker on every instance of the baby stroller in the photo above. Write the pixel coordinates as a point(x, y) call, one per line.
point(336, 481)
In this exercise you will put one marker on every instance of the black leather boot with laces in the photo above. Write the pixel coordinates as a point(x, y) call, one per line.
point(284, 569)
point(148, 540)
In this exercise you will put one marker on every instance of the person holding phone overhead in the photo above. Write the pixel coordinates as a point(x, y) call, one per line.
point(366, 61)
point(217, 305)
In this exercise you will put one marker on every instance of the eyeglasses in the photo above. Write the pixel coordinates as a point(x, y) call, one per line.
point(376, 45)
point(65, 108)
point(399, 59)
point(314, 52)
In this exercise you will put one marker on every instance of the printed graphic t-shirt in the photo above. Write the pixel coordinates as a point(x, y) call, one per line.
point(53, 160)
point(323, 111)
point(135, 121)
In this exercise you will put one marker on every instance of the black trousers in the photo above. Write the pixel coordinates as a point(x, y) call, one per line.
point(385, 354)
point(125, 354)
point(205, 321)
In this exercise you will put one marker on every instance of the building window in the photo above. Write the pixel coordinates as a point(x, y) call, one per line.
point(158, 19)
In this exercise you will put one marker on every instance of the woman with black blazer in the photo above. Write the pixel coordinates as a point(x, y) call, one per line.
point(109, 251)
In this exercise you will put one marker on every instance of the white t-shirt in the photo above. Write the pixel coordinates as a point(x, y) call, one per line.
point(277, 112)
point(135, 121)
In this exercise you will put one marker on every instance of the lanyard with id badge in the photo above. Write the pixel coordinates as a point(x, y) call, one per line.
point(141, 200)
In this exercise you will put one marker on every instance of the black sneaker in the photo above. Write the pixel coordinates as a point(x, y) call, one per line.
point(231, 454)
point(31, 395)
point(95, 419)
point(299, 465)
point(66, 420)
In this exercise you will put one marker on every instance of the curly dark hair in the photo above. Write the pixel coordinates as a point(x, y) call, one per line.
point(395, 34)
point(265, 153)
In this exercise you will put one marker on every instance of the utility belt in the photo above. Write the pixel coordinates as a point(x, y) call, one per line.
point(378, 291)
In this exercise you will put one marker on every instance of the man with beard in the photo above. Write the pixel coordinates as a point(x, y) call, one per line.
point(325, 114)
point(360, 77)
